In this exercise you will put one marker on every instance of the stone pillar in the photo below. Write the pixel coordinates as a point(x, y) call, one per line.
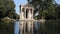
point(21, 14)
point(25, 13)
point(20, 11)
point(28, 14)
point(32, 13)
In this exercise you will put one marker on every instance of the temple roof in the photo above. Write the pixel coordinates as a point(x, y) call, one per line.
point(28, 5)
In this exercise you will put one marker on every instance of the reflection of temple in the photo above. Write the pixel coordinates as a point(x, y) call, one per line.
point(26, 13)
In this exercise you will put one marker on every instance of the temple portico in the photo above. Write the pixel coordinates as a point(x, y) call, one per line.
point(27, 11)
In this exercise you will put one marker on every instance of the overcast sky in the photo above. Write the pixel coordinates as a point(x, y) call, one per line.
point(18, 2)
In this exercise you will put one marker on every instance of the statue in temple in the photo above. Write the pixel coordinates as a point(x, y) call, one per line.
point(29, 15)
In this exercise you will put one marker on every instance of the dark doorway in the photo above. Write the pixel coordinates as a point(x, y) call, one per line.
point(26, 13)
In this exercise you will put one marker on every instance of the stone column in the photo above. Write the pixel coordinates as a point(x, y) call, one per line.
point(25, 13)
point(20, 12)
point(28, 13)
point(32, 13)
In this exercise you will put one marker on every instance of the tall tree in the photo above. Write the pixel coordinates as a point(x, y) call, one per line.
point(43, 7)
point(7, 9)
point(58, 11)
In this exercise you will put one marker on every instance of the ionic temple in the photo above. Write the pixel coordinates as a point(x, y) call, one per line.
point(26, 19)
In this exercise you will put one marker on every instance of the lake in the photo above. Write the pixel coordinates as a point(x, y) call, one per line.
point(48, 27)
point(16, 27)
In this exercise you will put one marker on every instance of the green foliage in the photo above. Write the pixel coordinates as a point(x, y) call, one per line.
point(58, 11)
point(7, 9)
point(45, 7)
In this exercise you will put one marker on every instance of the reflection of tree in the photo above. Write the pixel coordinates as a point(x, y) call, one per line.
point(34, 29)
point(6, 28)
point(52, 27)
point(49, 27)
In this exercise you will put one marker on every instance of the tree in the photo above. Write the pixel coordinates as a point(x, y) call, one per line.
point(44, 7)
point(58, 11)
point(7, 9)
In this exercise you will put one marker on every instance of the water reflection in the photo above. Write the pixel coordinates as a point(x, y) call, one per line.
point(6, 27)
point(12, 27)
point(16, 26)
point(49, 27)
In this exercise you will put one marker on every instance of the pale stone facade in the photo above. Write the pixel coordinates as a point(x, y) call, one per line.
point(26, 12)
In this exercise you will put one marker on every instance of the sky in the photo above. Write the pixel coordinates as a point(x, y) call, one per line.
point(18, 2)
